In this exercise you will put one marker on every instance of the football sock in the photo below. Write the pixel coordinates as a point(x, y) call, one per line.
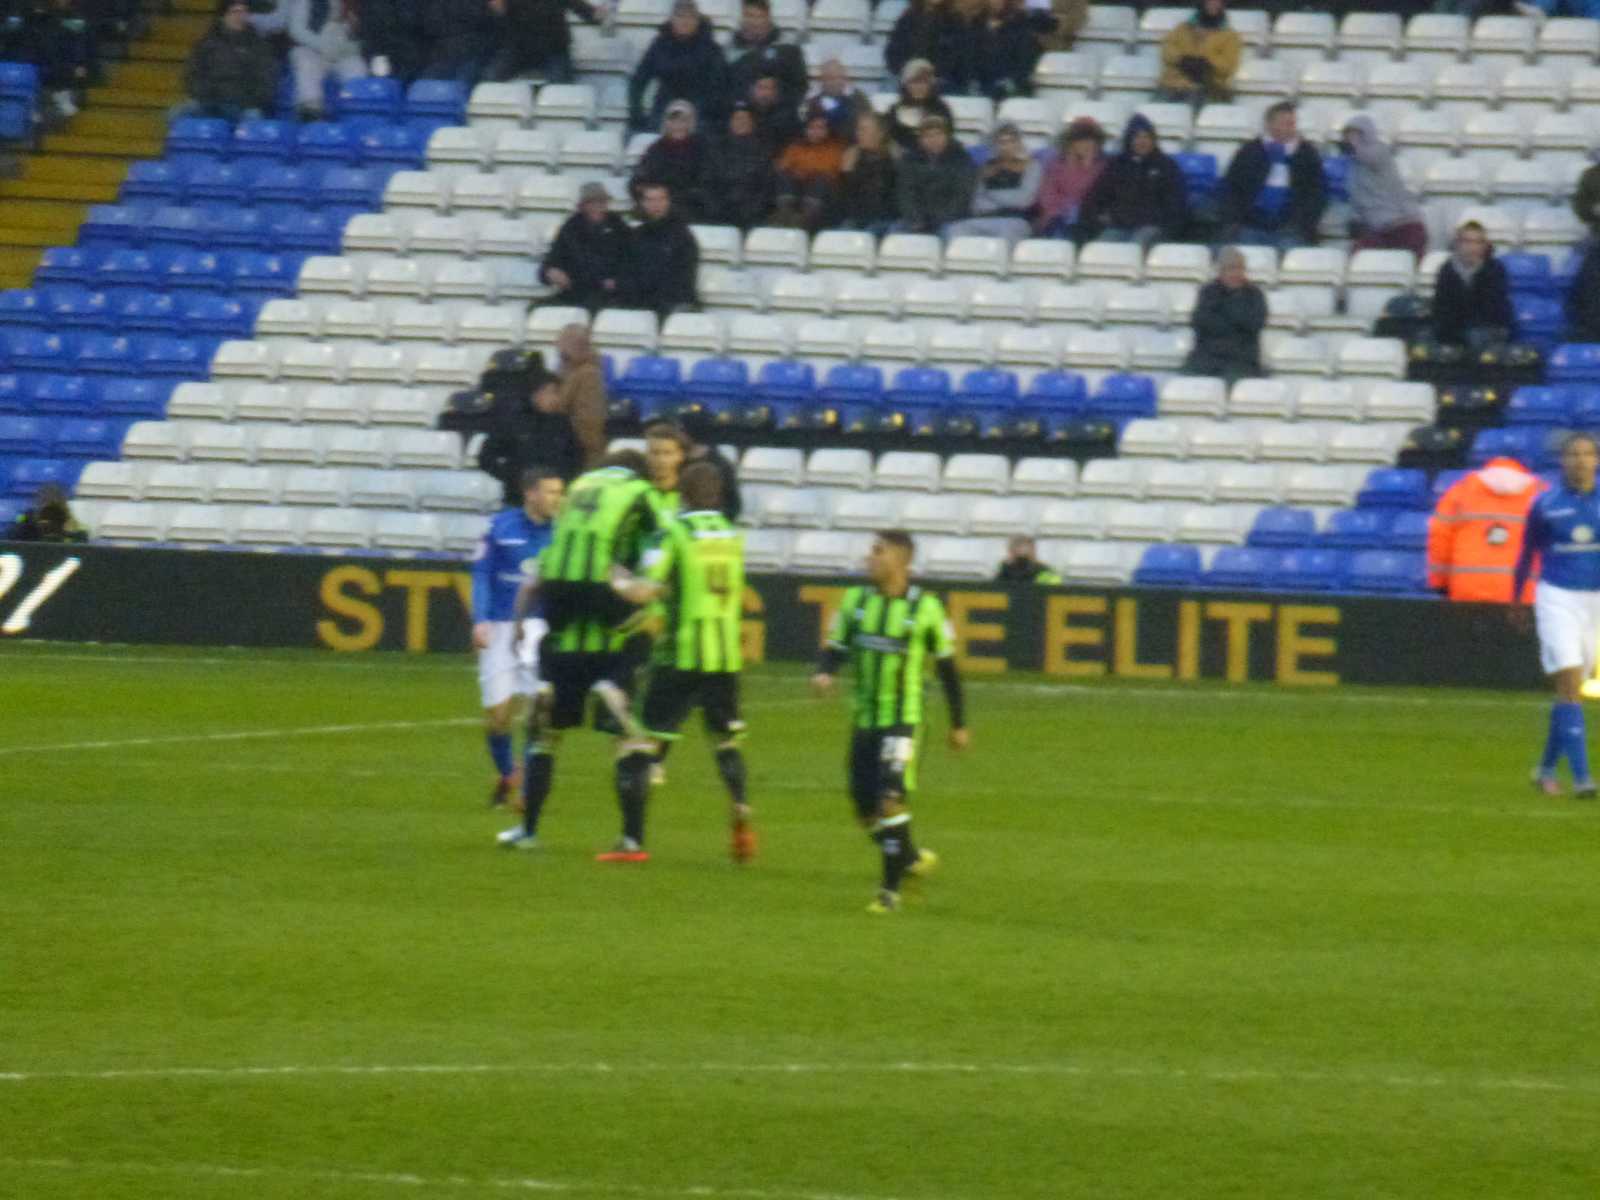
point(500, 752)
point(538, 770)
point(1554, 742)
point(1574, 738)
point(633, 789)
point(663, 749)
point(892, 842)
point(730, 763)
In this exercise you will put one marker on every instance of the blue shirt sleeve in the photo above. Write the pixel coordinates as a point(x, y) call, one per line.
point(483, 576)
point(1535, 537)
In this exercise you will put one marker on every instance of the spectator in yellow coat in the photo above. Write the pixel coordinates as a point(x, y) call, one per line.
point(1200, 57)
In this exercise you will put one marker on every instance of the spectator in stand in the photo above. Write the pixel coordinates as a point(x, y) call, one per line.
point(681, 159)
point(777, 124)
point(664, 256)
point(324, 37)
point(696, 426)
point(1200, 57)
point(1139, 197)
point(49, 520)
point(1475, 535)
point(461, 38)
point(1274, 193)
point(1229, 315)
point(59, 40)
point(1022, 564)
point(583, 392)
point(841, 102)
point(808, 176)
point(1000, 50)
point(685, 63)
point(1586, 200)
point(1583, 297)
point(391, 38)
point(758, 49)
point(1384, 214)
point(1472, 294)
point(539, 434)
point(927, 32)
point(867, 200)
point(1008, 189)
point(1077, 166)
point(919, 99)
point(1071, 16)
point(936, 181)
point(538, 39)
point(587, 263)
point(232, 72)
point(743, 182)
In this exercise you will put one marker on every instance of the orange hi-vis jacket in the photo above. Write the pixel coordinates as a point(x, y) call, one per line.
point(1476, 532)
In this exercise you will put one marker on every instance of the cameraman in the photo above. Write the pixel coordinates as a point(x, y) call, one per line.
point(49, 520)
point(537, 431)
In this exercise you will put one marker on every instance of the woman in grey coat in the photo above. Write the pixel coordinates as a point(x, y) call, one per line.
point(1008, 188)
point(1229, 314)
point(1384, 213)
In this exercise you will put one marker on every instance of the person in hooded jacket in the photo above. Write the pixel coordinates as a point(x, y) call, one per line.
point(232, 72)
point(664, 258)
point(758, 49)
point(1229, 315)
point(325, 37)
point(1475, 533)
point(742, 179)
point(1472, 293)
point(538, 38)
point(936, 181)
point(681, 159)
point(1140, 196)
point(1384, 215)
point(927, 31)
point(1200, 57)
point(460, 37)
point(685, 63)
point(1000, 50)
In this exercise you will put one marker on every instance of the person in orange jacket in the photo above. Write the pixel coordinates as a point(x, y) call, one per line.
point(1476, 532)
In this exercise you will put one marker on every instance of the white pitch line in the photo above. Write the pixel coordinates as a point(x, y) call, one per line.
point(1042, 1070)
point(242, 735)
point(405, 1179)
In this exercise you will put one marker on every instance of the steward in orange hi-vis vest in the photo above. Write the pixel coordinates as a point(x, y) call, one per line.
point(1476, 532)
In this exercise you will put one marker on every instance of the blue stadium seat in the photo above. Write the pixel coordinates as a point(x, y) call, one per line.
point(301, 229)
point(1576, 362)
point(66, 395)
point(1199, 174)
point(1409, 531)
point(328, 142)
point(146, 312)
point(103, 353)
point(651, 380)
point(38, 350)
point(221, 181)
point(26, 437)
point(18, 81)
point(1308, 570)
point(393, 145)
point(1356, 529)
point(720, 384)
point(1241, 567)
point(156, 181)
point(792, 383)
point(1585, 405)
point(919, 388)
point(1336, 175)
point(369, 98)
point(23, 306)
point(1524, 443)
point(234, 228)
point(191, 268)
point(115, 224)
point(438, 98)
point(357, 186)
point(68, 264)
point(207, 137)
point(1282, 528)
point(1395, 487)
point(287, 183)
point(852, 383)
point(1540, 320)
point(175, 357)
point(1444, 481)
point(16, 392)
point(1530, 273)
point(139, 398)
point(76, 307)
point(988, 388)
point(1168, 566)
point(1124, 397)
point(265, 274)
point(28, 475)
point(88, 438)
point(258, 138)
point(130, 268)
point(1388, 571)
point(175, 226)
point(11, 507)
point(1533, 404)
point(1060, 393)
point(206, 315)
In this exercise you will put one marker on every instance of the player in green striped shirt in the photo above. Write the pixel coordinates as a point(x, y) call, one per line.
point(888, 632)
point(695, 573)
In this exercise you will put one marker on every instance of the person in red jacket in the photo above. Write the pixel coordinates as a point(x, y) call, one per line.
point(1476, 532)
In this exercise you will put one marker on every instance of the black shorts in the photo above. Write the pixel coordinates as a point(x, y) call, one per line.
point(882, 762)
point(672, 695)
point(564, 603)
point(570, 676)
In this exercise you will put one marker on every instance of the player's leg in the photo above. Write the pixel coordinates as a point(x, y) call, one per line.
point(538, 768)
point(635, 755)
point(498, 684)
point(1566, 653)
point(892, 829)
point(719, 704)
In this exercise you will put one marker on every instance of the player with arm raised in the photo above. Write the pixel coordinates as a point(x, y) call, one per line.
point(604, 524)
point(696, 573)
point(507, 663)
point(887, 631)
point(1563, 530)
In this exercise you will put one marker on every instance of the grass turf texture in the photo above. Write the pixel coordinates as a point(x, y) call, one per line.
point(1186, 943)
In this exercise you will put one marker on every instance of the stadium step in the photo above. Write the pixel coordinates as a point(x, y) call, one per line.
point(16, 264)
point(86, 192)
point(42, 215)
point(122, 148)
point(128, 98)
point(40, 236)
point(118, 123)
point(178, 29)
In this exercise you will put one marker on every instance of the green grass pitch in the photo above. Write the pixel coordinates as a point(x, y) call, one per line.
point(256, 941)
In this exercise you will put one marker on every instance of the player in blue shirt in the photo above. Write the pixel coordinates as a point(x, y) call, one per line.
point(1563, 530)
point(506, 558)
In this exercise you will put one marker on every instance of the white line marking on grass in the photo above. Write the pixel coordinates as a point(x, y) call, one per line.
point(1044, 1070)
point(242, 735)
point(405, 1179)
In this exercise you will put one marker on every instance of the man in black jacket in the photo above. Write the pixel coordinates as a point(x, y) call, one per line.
point(1274, 193)
point(1472, 293)
point(1139, 197)
point(1583, 299)
point(460, 37)
point(389, 30)
point(757, 49)
point(1229, 315)
point(537, 38)
point(665, 258)
point(685, 63)
point(538, 431)
point(232, 72)
point(588, 263)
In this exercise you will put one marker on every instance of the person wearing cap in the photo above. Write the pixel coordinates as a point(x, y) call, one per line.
point(1008, 188)
point(232, 72)
point(664, 258)
point(867, 194)
point(588, 263)
point(758, 49)
point(835, 97)
point(927, 32)
point(743, 181)
point(936, 181)
point(537, 38)
point(325, 42)
point(681, 159)
point(685, 63)
point(808, 175)
point(919, 99)
point(1068, 179)
point(1200, 57)
point(1140, 196)
point(1000, 48)
point(1384, 214)
point(1229, 314)
point(1274, 193)
point(460, 37)
point(777, 123)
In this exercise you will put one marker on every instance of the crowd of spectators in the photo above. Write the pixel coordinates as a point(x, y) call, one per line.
point(63, 39)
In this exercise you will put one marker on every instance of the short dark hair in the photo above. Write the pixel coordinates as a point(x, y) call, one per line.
point(899, 538)
point(655, 185)
point(1282, 106)
point(533, 476)
point(700, 486)
point(1472, 226)
point(669, 431)
point(628, 459)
